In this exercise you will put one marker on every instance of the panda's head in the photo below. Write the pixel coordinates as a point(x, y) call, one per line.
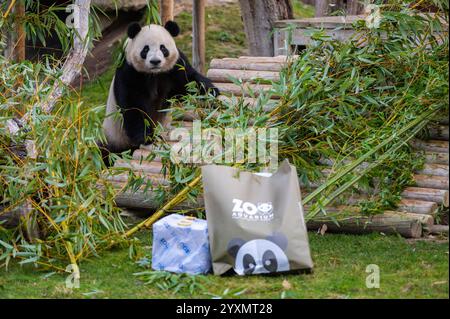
point(259, 256)
point(152, 49)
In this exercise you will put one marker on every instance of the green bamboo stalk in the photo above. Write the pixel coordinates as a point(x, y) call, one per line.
point(181, 196)
point(356, 163)
point(423, 122)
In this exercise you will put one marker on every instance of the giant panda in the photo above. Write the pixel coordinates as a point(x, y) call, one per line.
point(153, 71)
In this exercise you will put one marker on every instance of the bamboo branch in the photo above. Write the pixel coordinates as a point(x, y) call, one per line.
point(169, 205)
point(8, 11)
point(419, 123)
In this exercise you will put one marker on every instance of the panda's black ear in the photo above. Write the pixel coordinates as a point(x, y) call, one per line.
point(234, 245)
point(173, 28)
point(133, 30)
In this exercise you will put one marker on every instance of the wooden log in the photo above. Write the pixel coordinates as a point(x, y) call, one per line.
point(136, 200)
point(144, 155)
point(431, 145)
point(341, 211)
point(429, 181)
point(242, 64)
point(21, 215)
point(262, 59)
point(417, 206)
point(226, 76)
point(155, 147)
point(141, 199)
point(386, 223)
point(330, 22)
point(138, 166)
point(408, 225)
point(439, 196)
point(231, 100)
point(198, 35)
point(434, 169)
point(425, 219)
point(244, 90)
point(432, 176)
point(439, 230)
point(435, 158)
point(121, 181)
point(155, 178)
point(439, 132)
point(250, 102)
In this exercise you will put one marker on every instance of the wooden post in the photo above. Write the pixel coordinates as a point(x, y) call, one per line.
point(15, 40)
point(198, 39)
point(166, 10)
point(19, 52)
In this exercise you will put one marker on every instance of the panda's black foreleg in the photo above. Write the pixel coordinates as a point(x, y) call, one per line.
point(134, 126)
point(106, 150)
point(206, 85)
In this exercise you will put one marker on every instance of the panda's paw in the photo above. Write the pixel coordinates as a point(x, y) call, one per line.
point(214, 91)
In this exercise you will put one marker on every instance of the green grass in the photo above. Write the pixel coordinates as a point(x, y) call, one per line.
point(407, 270)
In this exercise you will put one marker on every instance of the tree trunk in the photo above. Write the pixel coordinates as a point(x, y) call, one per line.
point(259, 17)
point(354, 7)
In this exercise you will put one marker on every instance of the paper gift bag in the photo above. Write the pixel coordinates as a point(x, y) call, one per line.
point(255, 221)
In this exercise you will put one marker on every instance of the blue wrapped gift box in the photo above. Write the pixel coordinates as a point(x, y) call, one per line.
point(180, 245)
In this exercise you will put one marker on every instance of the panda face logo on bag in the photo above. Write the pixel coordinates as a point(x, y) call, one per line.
point(252, 212)
point(259, 256)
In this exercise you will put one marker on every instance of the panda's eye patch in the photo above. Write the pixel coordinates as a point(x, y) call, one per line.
point(144, 52)
point(164, 50)
point(249, 264)
point(269, 261)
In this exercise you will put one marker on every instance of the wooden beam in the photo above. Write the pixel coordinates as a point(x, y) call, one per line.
point(167, 7)
point(198, 35)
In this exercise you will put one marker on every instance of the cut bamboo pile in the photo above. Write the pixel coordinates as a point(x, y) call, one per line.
point(414, 215)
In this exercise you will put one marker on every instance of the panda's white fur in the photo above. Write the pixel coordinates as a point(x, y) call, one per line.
point(113, 123)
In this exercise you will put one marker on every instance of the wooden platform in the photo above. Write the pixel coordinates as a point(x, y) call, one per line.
point(336, 27)
point(414, 215)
